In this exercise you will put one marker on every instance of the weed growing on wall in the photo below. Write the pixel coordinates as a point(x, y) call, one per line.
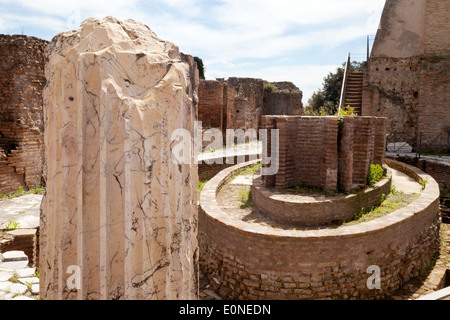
point(12, 225)
point(20, 192)
point(375, 174)
point(245, 197)
point(347, 112)
point(270, 87)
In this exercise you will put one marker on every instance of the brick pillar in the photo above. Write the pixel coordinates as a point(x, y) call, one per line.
point(379, 155)
point(363, 148)
point(282, 178)
point(330, 145)
point(269, 124)
point(345, 173)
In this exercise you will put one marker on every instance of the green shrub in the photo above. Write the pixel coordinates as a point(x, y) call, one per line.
point(245, 197)
point(270, 87)
point(375, 174)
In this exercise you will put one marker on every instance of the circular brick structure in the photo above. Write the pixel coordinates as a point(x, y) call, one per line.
point(316, 210)
point(245, 260)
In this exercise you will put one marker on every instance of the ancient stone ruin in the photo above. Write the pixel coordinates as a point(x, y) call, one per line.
point(282, 99)
point(292, 248)
point(239, 103)
point(324, 151)
point(119, 216)
point(407, 77)
point(22, 79)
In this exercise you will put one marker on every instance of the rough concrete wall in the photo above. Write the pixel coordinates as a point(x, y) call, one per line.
point(246, 115)
point(434, 108)
point(22, 79)
point(406, 77)
point(391, 90)
point(252, 90)
point(119, 208)
point(401, 29)
point(229, 114)
point(437, 26)
point(211, 103)
point(284, 99)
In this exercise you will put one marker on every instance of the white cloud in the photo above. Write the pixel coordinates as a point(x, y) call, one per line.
point(64, 8)
point(280, 14)
point(56, 16)
point(16, 22)
point(227, 32)
point(265, 29)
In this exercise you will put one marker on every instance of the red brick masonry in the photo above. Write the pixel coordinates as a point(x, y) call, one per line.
point(244, 260)
point(326, 152)
point(319, 211)
point(22, 80)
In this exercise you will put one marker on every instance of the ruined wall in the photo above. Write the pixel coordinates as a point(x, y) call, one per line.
point(22, 79)
point(407, 76)
point(434, 106)
point(283, 99)
point(401, 29)
point(244, 259)
point(437, 24)
point(318, 151)
point(246, 115)
point(119, 206)
point(216, 104)
point(229, 114)
point(391, 90)
point(248, 102)
point(239, 103)
point(211, 103)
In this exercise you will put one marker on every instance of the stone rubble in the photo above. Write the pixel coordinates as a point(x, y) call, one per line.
point(17, 280)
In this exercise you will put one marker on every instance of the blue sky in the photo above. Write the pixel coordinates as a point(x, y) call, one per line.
point(283, 40)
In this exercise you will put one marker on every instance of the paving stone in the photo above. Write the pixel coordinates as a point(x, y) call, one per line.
point(9, 296)
point(243, 181)
point(25, 272)
point(17, 288)
point(32, 280)
point(4, 276)
point(23, 298)
point(4, 285)
point(14, 256)
point(14, 265)
point(35, 288)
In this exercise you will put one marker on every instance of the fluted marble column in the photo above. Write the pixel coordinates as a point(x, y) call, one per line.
point(119, 217)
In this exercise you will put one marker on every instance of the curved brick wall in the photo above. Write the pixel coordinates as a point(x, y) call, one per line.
point(247, 261)
point(22, 80)
point(317, 212)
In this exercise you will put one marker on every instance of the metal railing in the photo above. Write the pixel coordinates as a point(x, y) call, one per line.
point(344, 82)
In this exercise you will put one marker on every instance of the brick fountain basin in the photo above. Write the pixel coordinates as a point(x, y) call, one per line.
point(247, 260)
point(316, 210)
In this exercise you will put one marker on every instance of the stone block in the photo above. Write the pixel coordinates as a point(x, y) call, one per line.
point(120, 210)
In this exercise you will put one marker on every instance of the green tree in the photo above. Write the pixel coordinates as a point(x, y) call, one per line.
point(325, 101)
point(200, 66)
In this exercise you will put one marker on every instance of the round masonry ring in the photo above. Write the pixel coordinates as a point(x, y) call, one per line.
point(369, 260)
point(316, 210)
